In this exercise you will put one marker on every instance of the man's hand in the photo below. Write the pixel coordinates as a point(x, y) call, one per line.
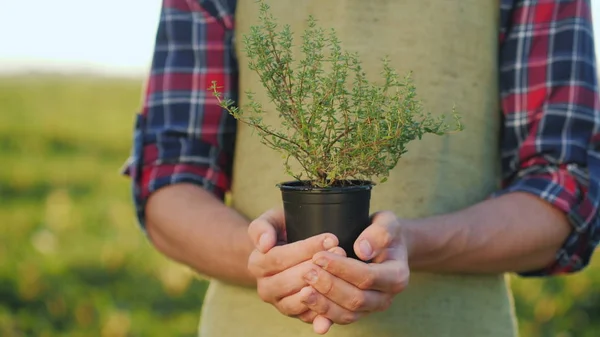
point(279, 267)
point(344, 290)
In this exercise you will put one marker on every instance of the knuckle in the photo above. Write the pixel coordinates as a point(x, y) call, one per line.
point(327, 286)
point(384, 255)
point(389, 215)
point(253, 228)
point(255, 262)
point(310, 292)
point(387, 303)
point(284, 309)
point(347, 318)
point(368, 281)
point(307, 317)
point(384, 216)
point(274, 261)
point(253, 225)
point(401, 277)
point(320, 255)
point(357, 302)
point(287, 309)
point(386, 238)
point(263, 292)
point(322, 308)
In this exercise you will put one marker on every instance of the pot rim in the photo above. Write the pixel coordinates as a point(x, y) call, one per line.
point(301, 186)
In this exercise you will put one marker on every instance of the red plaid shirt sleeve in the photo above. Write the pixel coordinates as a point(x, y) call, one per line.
point(181, 134)
point(550, 142)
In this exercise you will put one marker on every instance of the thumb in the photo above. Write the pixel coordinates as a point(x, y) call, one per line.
point(267, 230)
point(378, 236)
point(321, 325)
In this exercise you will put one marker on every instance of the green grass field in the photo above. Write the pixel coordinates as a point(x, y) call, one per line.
point(72, 259)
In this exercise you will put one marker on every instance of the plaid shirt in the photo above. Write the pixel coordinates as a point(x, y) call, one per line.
point(550, 144)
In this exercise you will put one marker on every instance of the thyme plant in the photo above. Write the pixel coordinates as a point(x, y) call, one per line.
point(334, 122)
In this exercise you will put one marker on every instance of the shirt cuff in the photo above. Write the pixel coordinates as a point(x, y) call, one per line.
point(149, 173)
point(561, 190)
point(155, 177)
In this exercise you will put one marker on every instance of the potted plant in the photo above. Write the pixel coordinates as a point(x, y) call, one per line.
point(343, 130)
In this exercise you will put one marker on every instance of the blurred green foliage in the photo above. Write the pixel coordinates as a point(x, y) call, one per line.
point(72, 259)
point(562, 306)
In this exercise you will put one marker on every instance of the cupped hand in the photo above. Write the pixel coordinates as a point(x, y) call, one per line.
point(343, 289)
point(279, 267)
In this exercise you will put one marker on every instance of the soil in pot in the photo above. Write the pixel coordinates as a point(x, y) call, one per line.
point(341, 210)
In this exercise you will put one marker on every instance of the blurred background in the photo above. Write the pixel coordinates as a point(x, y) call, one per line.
point(72, 259)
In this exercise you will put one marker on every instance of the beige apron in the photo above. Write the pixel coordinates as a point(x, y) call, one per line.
point(451, 46)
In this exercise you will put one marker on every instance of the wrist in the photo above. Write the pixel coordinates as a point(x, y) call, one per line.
point(431, 242)
point(408, 229)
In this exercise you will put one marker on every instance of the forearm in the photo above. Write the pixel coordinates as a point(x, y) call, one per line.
point(191, 226)
point(512, 233)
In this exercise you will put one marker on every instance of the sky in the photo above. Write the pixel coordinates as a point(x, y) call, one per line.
point(108, 36)
point(114, 37)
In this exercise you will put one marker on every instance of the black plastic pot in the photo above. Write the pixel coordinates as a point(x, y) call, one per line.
point(342, 211)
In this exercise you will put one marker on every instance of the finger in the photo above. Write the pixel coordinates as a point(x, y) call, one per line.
point(292, 305)
point(286, 283)
point(389, 276)
point(345, 294)
point(384, 255)
point(289, 281)
point(378, 236)
point(307, 316)
point(321, 325)
point(280, 258)
point(329, 309)
point(265, 230)
point(338, 251)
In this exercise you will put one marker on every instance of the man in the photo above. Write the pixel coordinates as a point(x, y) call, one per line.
point(544, 221)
